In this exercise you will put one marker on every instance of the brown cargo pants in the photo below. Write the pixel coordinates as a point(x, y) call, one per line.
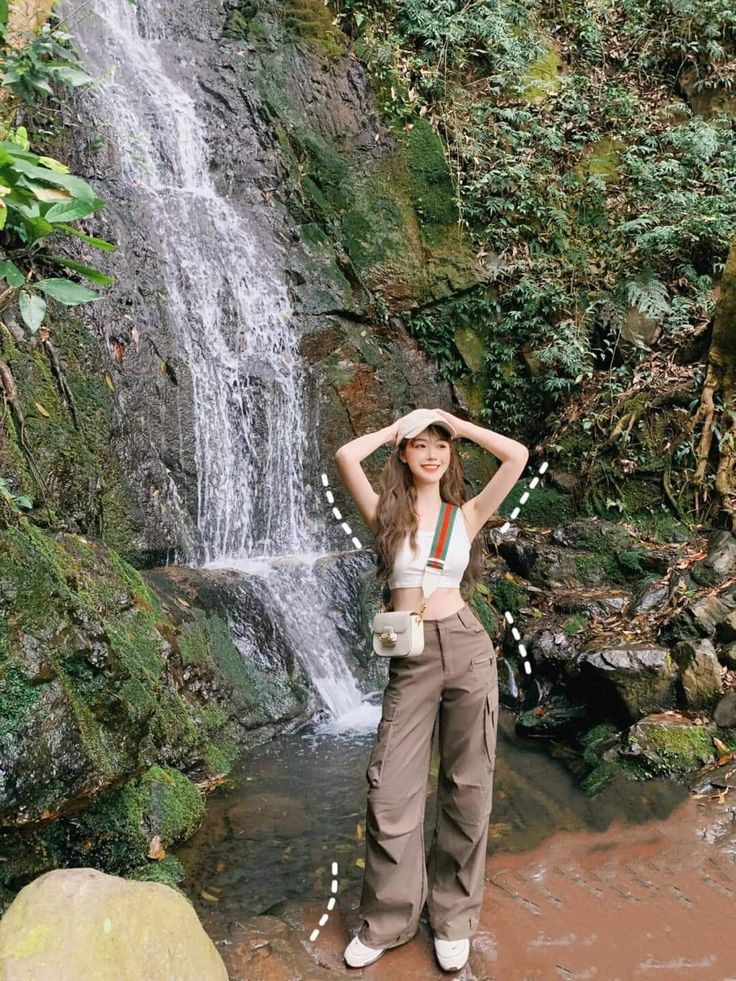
point(454, 682)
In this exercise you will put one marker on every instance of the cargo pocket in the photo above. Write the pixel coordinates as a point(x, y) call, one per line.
point(381, 746)
point(470, 621)
point(490, 727)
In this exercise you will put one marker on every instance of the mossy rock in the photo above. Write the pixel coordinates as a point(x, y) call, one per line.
point(542, 78)
point(601, 159)
point(115, 833)
point(83, 486)
point(669, 745)
point(86, 688)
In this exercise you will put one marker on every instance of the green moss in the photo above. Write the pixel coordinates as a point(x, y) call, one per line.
point(602, 159)
point(83, 484)
point(169, 871)
point(546, 506)
point(507, 595)
point(124, 708)
point(312, 20)
point(542, 78)
point(598, 779)
point(17, 700)
point(672, 750)
point(574, 624)
point(484, 611)
point(430, 187)
point(114, 832)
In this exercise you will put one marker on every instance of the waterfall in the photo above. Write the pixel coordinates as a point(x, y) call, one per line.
point(231, 315)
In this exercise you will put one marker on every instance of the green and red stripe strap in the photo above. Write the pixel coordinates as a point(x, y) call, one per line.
point(442, 535)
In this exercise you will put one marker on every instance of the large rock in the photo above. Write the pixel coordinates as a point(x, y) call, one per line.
point(629, 683)
point(81, 923)
point(725, 711)
point(700, 674)
point(669, 744)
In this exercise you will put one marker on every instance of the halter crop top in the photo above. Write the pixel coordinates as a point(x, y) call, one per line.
point(408, 568)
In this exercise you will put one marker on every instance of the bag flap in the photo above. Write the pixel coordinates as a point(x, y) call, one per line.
point(399, 622)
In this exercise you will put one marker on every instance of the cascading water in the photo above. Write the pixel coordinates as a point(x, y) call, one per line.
point(232, 319)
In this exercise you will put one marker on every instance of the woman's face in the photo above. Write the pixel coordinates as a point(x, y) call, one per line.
point(427, 457)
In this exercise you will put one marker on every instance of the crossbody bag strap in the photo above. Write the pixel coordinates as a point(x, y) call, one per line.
point(438, 552)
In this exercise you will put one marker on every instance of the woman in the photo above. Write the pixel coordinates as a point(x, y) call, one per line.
point(453, 681)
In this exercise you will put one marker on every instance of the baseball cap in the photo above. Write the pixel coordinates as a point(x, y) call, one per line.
point(418, 420)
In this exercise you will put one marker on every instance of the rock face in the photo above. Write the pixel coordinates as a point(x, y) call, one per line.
point(361, 224)
point(630, 682)
point(81, 923)
point(113, 700)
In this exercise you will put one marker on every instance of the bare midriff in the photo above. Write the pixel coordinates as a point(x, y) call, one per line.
point(443, 602)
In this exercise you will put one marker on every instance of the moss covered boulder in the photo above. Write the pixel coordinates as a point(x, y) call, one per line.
point(91, 685)
point(669, 744)
point(81, 923)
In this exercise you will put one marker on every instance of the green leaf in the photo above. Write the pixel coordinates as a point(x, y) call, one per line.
point(65, 291)
point(71, 77)
point(75, 185)
point(52, 164)
point(21, 138)
point(89, 272)
point(11, 273)
point(3, 213)
point(69, 211)
point(98, 243)
point(32, 310)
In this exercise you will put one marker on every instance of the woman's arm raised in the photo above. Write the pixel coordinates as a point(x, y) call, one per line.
point(513, 456)
point(347, 459)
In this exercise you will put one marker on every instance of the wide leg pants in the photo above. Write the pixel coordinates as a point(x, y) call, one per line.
point(454, 683)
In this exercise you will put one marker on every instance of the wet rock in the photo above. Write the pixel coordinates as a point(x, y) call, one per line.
point(700, 673)
point(509, 691)
point(267, 948)
point(669, 743)
point(712, 611)
point(727, 655)
point(725, 629)
point(552, 651)
point(627, 683)
point(82, 923)
point(91, 679)
point(556, 717)
point(725, 711)
point(596, 607)
point(649, 596)
point(722, 553)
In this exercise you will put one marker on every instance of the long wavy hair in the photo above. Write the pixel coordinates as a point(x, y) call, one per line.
point(396, 516)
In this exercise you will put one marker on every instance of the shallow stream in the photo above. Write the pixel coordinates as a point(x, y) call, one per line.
point(297, 804)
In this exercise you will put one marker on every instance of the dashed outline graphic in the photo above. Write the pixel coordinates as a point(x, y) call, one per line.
point(330, 904)
point(507, 616)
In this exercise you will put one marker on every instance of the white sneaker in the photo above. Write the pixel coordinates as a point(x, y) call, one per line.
point(452, 954)
point(358, 955)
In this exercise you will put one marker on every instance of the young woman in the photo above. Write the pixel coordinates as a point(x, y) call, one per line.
point(453, 682)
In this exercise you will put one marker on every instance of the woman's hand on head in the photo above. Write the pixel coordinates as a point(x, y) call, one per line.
point(457, 424)
point(393, 433)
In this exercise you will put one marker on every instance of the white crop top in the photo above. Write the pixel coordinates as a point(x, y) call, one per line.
point(408, 568)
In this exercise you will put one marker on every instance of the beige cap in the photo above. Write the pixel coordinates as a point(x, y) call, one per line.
point(418, 420)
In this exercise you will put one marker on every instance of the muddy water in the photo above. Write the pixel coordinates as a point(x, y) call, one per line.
point(297, 804)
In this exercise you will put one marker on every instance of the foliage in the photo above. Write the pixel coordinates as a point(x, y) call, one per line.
point(39, 198)
point(580, 172)
point(14, 501)
point(29, 72)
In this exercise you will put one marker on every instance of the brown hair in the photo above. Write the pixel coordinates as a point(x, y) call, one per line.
point(395, 515)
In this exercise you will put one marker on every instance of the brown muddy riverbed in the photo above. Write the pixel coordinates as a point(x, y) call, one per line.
point(640, 882)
